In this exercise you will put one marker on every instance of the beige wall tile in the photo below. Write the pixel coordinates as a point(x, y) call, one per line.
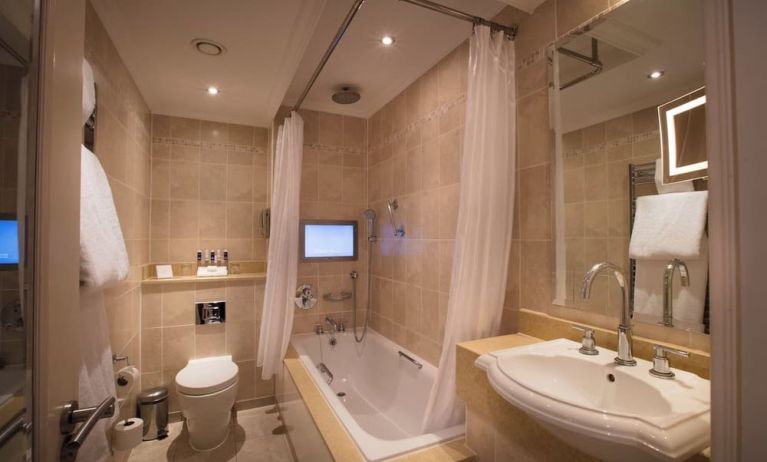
point(177, 346)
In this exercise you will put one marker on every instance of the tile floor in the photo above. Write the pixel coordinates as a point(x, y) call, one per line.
point(252, 439)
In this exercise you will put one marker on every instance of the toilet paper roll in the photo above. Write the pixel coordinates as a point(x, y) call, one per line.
point(127, 434)
point(125, 379)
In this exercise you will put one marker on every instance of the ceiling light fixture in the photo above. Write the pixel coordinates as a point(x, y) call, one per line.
point(387, 40)
point(208, 47)
point(655, 75)
point(212, 90)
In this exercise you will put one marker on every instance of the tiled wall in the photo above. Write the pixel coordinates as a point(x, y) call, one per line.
point(415, 145)
point(122, 145)
point(170, 336)
point(596, 193)
point(210, 182)
point(333, 187)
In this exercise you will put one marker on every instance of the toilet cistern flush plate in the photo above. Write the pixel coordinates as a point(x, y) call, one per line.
point(612, 412)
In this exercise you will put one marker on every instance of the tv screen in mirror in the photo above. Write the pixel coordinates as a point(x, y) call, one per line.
point(9, 242)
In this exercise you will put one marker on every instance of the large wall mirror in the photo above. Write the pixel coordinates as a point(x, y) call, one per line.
point(628, 107)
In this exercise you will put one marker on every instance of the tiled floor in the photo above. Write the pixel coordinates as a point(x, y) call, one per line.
point(252, 439)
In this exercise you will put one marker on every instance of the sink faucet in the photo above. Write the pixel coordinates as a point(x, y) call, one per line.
point(625, 343)
point(668, 288)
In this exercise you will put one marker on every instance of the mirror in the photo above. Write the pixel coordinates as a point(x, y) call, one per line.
point(627, 101)
point(683, 137)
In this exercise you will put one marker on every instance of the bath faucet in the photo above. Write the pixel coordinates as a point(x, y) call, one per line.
point(625, 343)
point(332, 324)
point(668, 288)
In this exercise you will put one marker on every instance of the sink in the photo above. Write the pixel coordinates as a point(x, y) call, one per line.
point(615, 413)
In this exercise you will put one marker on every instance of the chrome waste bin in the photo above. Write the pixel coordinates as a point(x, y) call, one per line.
point(153, 410)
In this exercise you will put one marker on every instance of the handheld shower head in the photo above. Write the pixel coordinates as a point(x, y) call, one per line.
point(370, 216)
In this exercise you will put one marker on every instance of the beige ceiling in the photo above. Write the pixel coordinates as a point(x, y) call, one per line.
point(273, 47)
point(379, 73)
point(265, 40)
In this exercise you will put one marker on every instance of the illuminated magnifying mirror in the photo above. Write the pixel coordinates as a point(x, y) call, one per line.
point(683, 137)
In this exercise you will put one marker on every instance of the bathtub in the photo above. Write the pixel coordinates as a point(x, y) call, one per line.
point(377, 394)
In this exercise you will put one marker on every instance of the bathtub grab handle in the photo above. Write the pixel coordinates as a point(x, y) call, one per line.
point(409, 358)
point(323, 368)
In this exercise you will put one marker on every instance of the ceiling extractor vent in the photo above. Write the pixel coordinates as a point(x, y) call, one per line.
point(208, 47)
point(346, 96)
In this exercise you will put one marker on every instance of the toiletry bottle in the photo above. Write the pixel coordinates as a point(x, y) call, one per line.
point(226, 259)
point(212, 258)
point(218, 255)
point(207, 257)
point(199, 258)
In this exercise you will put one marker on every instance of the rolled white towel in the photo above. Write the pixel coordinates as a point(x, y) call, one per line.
point(669, 226)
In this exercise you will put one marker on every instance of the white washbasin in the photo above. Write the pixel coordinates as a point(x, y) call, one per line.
point(614, 413)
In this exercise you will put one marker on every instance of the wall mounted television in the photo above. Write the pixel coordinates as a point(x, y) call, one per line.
point(328, 240)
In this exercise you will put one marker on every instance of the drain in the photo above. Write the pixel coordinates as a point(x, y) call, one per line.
point(610, 378)
point(341, 394)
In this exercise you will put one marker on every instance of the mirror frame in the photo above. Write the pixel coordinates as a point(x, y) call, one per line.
point(666, 114)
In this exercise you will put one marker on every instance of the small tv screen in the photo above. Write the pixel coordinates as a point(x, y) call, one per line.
point(329, 240)
point(9, 242)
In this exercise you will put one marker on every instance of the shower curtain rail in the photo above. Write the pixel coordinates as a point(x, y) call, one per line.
point(333, 44)
point(510, 31)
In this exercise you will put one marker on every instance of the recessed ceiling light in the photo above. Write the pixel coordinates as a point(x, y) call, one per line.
point(208, 47)
point(387, 40)
point(655, 75)
point(212, 90)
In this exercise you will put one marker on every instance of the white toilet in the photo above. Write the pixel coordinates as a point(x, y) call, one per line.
point(207, 389)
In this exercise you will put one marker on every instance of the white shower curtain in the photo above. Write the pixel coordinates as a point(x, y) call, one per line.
point(282, 266)
point(485, 215)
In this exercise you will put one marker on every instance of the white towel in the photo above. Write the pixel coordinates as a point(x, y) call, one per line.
point(680, 186)
point(103, 257)
point(688, 302)
point(89, 91)
point(669, 226)
point(96, 379)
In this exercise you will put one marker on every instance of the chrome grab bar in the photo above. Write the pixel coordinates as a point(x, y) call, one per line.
point(16, 425)
point(324, 369)
point(71, 415)
point(409, 358)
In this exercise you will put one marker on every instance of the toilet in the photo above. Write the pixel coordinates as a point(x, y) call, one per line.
point(206, 389)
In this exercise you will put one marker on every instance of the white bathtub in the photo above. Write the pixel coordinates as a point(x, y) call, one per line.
point(385, 394)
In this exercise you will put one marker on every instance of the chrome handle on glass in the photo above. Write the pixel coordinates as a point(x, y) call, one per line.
point(661, 367)
point(71, 415)
point(588, 344)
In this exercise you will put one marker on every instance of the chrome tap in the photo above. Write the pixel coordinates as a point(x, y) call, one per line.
point(332, 323)
point(668, 288)
point(335, 327)
point(625, 343)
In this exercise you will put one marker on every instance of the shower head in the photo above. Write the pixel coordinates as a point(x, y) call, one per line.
point(346, 96)
point(370, 216)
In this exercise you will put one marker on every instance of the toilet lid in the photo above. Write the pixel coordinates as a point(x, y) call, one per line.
point(206, 376)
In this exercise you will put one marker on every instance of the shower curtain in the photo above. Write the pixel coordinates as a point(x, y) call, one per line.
point(282, 265)
point(485, 215)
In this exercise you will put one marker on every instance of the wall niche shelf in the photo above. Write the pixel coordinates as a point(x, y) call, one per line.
point(187, 272)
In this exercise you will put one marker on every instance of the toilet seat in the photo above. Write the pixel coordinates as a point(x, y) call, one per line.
point(206, 376)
